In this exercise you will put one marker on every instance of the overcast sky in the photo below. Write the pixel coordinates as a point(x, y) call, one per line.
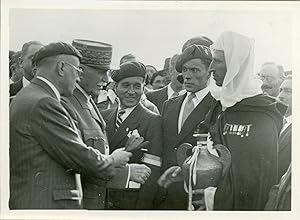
point(153, 35)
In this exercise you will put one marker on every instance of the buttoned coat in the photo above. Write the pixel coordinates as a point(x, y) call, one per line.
point(92, 128)
point(46, 152)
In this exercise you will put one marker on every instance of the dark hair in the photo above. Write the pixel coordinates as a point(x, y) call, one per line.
point(27, 45)
point(161, 73)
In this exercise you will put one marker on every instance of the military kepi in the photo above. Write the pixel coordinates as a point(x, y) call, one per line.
point(129, 70)
point(192, 52)
point(54, 49)
point(94, 54)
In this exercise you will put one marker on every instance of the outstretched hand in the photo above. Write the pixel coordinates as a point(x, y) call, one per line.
point(171, 175)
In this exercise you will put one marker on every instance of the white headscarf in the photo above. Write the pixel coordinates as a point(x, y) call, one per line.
point(239, 82)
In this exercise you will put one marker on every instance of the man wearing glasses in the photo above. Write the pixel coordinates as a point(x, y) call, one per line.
point(272, 76)
point(46, 150)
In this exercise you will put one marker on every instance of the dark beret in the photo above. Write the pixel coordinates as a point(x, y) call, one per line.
point(54, 49)
point(199, 40)
point(192, 52)
point(128, 70)
point(94, 53)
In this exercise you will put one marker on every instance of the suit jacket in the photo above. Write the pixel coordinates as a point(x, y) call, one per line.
point(46, 151)
point(148, 125)
point(284, 150)
point(92, 128)
point(158, 97)
point(175, 197)
point(14, 88)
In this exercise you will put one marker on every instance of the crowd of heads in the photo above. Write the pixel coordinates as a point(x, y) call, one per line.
point(191, 70)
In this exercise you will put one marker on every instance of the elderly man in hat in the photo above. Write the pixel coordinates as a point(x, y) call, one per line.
point(183, 114)
point(132, 118)
point(95, 64)
point(46, 149)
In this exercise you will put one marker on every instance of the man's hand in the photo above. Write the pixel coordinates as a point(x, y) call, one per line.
point(120, 157)
point(139, 173)
point(171, 175)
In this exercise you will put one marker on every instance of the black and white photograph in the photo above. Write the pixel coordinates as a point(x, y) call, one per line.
point(148, 109)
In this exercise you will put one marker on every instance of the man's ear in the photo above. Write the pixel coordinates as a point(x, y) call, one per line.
point(60, 68)
point(20, 61)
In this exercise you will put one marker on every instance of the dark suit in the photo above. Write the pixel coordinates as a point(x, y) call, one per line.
point(148, 125)
point(176, 198)
point(92, 128)
point(158, 97)
point(14, 88)
point(46, 151)
point(284, 150)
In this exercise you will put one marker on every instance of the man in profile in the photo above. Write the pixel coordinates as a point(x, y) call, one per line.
point(25, 62)
point(46, 150)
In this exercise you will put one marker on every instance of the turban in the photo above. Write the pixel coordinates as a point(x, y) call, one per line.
point(54, 49)
point(94, 54)
point(193, 52)
point(129, 70)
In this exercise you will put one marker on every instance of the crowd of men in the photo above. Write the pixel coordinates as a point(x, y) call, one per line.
point(83, 135)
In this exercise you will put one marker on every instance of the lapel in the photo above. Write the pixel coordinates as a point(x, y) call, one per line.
point(163, 94)
point(172, 114)
point(196, 117)
point(86, 104)
point(130, 123)
point(285, 138)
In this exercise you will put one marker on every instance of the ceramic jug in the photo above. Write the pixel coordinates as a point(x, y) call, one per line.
point(202, 168)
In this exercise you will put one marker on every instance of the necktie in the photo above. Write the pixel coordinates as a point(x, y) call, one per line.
point(119, 118)
point(175, 94)
point(188, 108)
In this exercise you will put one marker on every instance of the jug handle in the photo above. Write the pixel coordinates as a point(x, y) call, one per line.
point(181, 153)
point(225, 157)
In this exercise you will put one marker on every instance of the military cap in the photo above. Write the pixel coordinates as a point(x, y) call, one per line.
point(199, 40)
point(192, 52)
point(130, 69)
point(54, 49)
point(94, 53)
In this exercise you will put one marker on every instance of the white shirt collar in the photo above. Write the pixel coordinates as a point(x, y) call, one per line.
point(200, 94)
point(54, 89)
point(170, 91)
point(25, 82)
point(127, 112)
